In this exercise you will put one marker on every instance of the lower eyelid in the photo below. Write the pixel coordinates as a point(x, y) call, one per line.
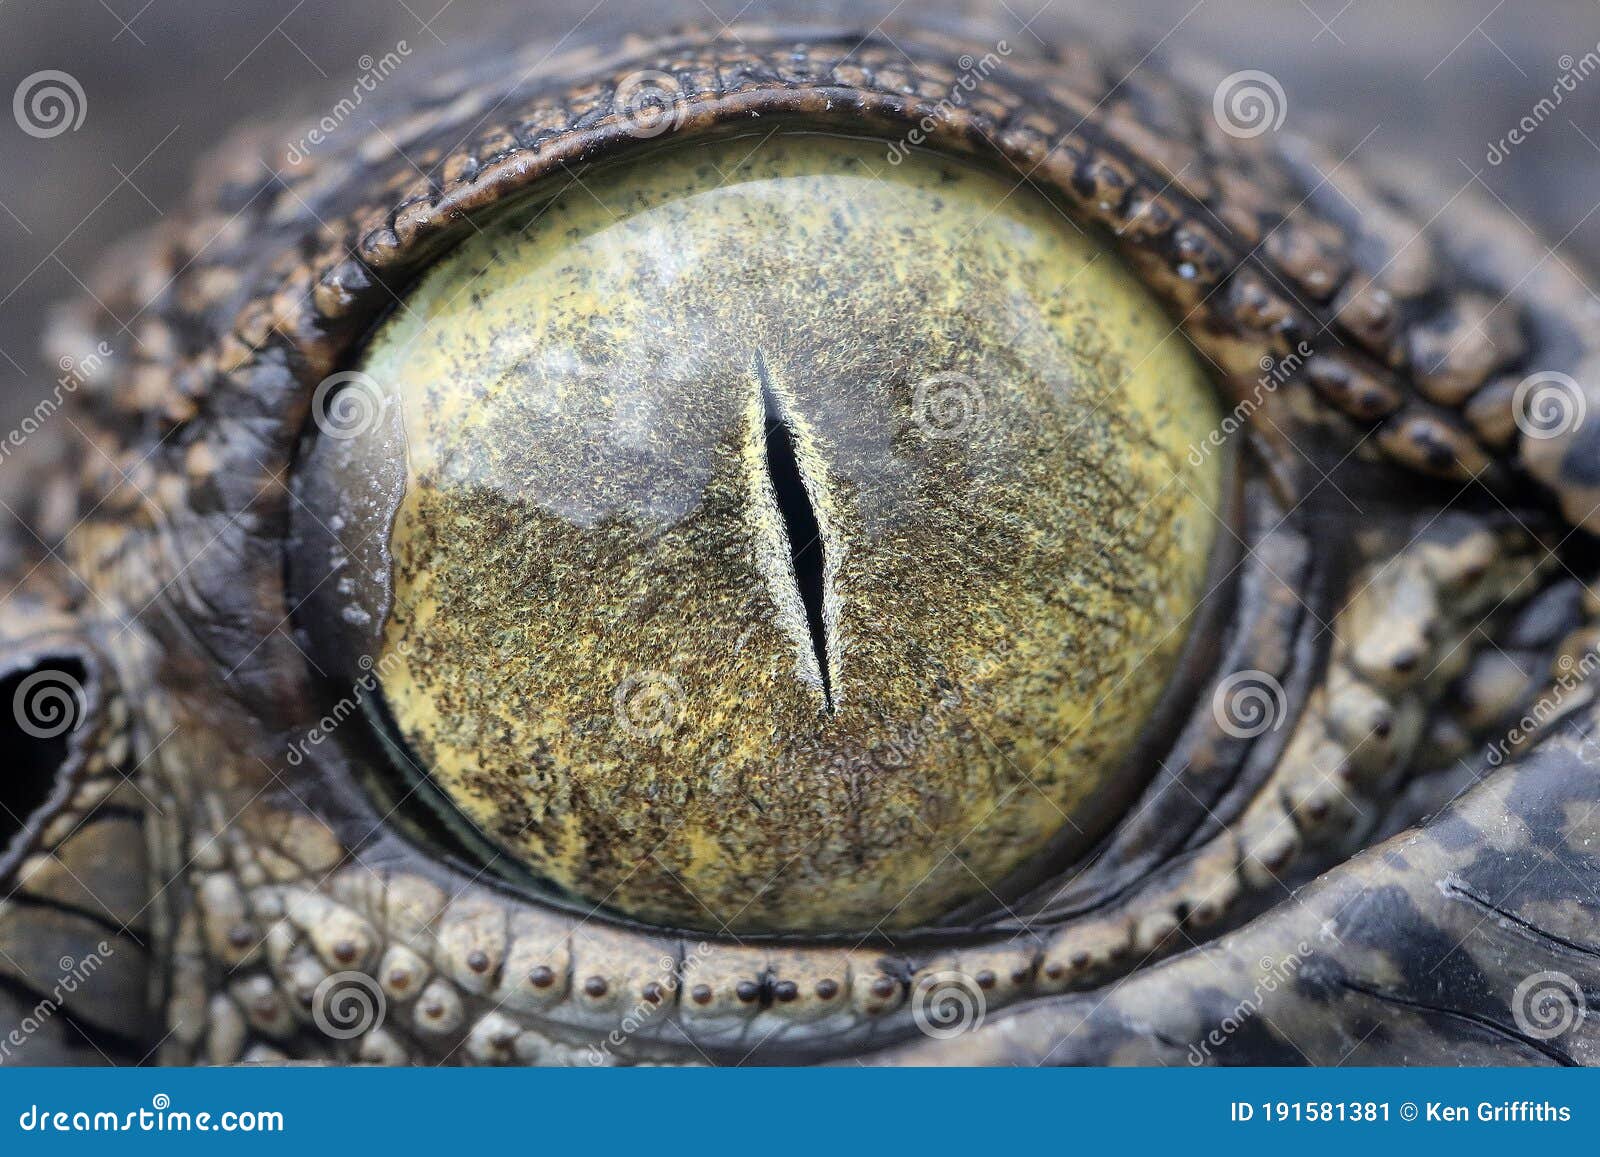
point(577, 978)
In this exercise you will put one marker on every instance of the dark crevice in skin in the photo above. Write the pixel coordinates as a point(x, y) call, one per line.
point(30, 779)
point(800, 525)
point(102, 920)
point(1493, 1027)
point(1454, 887)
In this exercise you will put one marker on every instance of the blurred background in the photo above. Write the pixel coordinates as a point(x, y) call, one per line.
point(162, 80)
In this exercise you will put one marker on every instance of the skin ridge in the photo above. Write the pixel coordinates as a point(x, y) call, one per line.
point(269, 283)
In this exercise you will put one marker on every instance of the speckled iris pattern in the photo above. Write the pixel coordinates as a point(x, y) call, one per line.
point(601, 641)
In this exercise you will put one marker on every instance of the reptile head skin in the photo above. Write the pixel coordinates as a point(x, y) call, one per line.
point(1355, 821)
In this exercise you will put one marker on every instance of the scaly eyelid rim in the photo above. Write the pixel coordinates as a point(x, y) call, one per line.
point(1237, 305)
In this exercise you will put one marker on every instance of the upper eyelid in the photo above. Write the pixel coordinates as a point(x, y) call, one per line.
point(1401, 341)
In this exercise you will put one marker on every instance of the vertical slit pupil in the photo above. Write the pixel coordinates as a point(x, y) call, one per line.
point(800, 527)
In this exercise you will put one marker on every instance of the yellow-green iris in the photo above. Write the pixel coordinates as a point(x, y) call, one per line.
point(623, 408)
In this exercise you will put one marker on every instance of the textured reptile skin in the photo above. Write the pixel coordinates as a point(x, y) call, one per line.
point(265, 879)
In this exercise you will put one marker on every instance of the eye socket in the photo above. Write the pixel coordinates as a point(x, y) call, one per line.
point(1358, 593)
point(778, 540)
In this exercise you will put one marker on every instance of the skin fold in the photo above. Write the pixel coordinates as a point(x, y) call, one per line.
point(1342, 813)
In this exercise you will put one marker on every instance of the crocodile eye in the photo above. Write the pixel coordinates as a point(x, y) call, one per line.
point(771, 539)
